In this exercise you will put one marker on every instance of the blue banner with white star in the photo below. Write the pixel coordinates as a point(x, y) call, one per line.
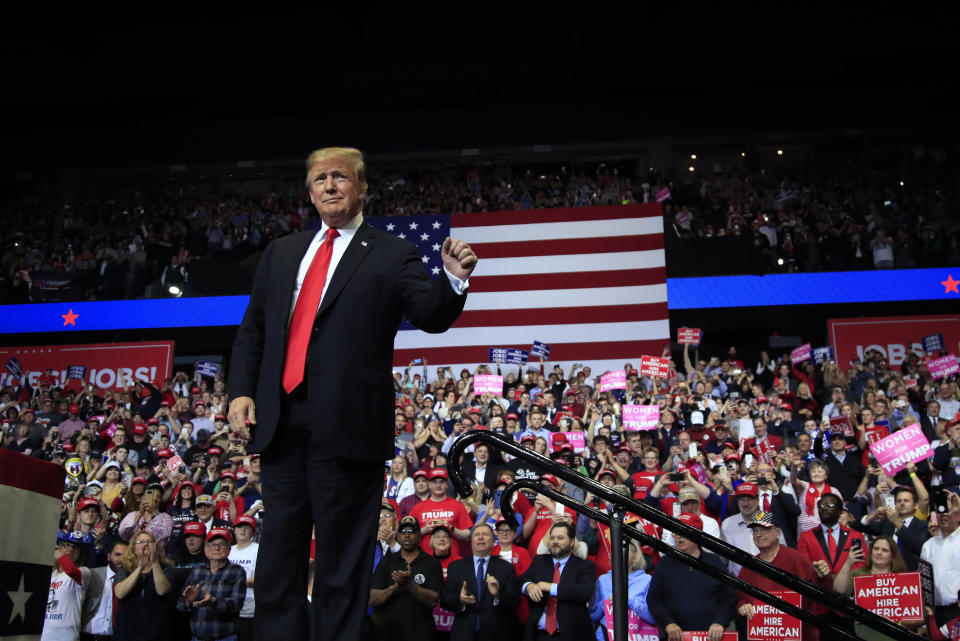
point(682, 293)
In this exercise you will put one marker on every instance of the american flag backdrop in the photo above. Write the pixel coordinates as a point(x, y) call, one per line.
point(588, 281)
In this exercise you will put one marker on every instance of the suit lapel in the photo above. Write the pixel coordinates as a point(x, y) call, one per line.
point(841, 541)
point(360, 244)
point(823, 543)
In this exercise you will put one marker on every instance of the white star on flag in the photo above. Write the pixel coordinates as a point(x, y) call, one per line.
point(390, 226)
point(425, 259)
point(436, 247)
point(436, 224)
point(19, 599)
point(424, 236)
point(413, 225)
point(402, 235)
point(435, 271)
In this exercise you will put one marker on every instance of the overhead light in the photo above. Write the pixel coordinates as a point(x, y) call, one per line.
point(690, 168)
point(743, 154)
point(693, 156)
point(174, 290)
point(780, 262)
point(779, 152)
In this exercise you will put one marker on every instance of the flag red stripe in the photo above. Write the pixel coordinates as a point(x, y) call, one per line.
point(568, 246)
point(572, 280)
point(560, 215)
point(31, 474)
point(630, 350)
point(565, 316)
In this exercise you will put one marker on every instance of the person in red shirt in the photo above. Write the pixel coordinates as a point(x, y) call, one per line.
point(546, 513)
point(766, 536)
point(228, 506)
point(440, 509)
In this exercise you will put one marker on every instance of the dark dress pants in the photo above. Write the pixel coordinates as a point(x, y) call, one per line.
point(303, 489)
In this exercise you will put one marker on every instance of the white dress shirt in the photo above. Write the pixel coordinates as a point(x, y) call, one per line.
point(943, 553)
point(102, 621)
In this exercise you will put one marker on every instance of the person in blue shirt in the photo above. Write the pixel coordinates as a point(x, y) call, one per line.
point(638, 583)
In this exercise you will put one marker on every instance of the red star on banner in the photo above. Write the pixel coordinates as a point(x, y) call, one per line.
point(70, 318)
point(950, 285)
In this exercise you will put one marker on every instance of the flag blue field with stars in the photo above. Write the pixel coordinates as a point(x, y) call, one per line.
point(426, 232)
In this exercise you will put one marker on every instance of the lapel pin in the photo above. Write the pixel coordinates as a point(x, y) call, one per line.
point(363, 242)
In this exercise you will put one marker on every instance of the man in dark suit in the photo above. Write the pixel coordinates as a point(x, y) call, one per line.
point(480, 469)
point(901, 523)
point(315, 350)
point(784, 507)
point(482, 592)
point(845, 468)
point(558, 586)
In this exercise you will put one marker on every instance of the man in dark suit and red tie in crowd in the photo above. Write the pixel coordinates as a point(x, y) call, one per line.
point(311, 376)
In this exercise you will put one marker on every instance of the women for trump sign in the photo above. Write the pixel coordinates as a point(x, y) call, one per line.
point(904, 446)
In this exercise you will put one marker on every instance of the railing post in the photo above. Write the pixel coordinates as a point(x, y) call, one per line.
point(619, 577)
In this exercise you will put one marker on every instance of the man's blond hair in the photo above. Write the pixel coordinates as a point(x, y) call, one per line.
point(353, 157)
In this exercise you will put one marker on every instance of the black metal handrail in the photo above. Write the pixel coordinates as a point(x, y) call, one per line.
point(623, 504)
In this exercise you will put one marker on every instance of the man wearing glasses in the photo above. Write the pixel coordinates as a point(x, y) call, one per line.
point(214, 594)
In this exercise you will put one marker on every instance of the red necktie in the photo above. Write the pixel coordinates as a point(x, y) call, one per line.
point(551, 622)
point(766, 502)
point(831, 546)
point(304, 312)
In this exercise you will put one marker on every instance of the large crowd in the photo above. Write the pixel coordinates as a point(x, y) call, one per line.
point(896, 209)
point(161, 509)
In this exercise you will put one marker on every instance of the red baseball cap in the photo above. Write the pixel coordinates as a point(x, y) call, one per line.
point(74, 409)
point(606, 471)
point(139, 428)
point(68, 447)
point(164, 454)
point(550, 478)
point(194, 390)
point(220, 532)
point(153, 421)
point(786, 406)
point(138, 479)
point(438, 473)
point(194, 528)
point(528, 438)
point(219, 417)
point(214, 451)
point(199, 404)
point(512, 415)
point(747, 489)
point(420, 473)
point(732, 456)
point(691, 519)
point(228, 475)
point(246, 520)
point(87, 502)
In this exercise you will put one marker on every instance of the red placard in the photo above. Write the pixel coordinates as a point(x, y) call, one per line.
point(689, 335)
point(897, 596)
point(109, 365)
point(841, 423)
point(894, 337)
point(654, 366)
point(771, 624)
point(173, 463)
point(705, 636)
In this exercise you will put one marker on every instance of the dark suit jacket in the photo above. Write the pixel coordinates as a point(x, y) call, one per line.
point(911, 537)
point(813, 544)
point(785, 512)
point(496, 621)
point(379, 280)
point(574, 591)
point(469, 469)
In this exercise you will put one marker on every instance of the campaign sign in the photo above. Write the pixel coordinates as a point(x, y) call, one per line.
point(612, 380)
point(442, 618)
point(705, 636)
point(13, 366)
point(557, 440)
point(76, 371)
point(206, 368)
point(822, 354)
point(933, 343)
point(910, 382)
point(908, 445)
point(771, 624)
point(800, 354)
point(943, 366)
point(488, 384)
point(540, 349)
point(173, 463)
point(896, 596)
point(689, 335)
point(654, 366)
point(509, 355)
point(841, 424)
point(640, 417)
point(637, 628)
point(578, 440)
point(926, 580)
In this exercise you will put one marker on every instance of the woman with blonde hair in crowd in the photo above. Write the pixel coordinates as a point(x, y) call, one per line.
point(399, 484)
point(145, 601)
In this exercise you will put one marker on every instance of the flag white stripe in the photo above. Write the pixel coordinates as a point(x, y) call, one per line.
point(526, 334)
point(564, 264)
point(29, 534)
point(553, 231)
point(582, 297)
